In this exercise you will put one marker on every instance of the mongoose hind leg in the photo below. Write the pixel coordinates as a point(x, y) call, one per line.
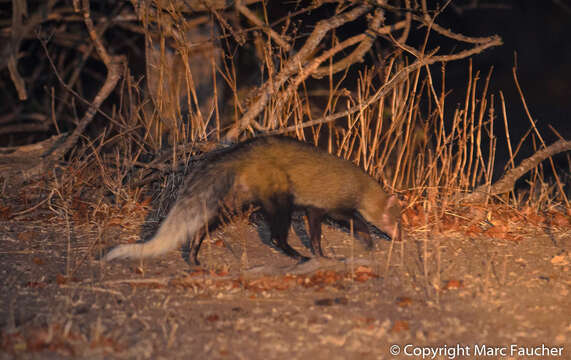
point(279, 211)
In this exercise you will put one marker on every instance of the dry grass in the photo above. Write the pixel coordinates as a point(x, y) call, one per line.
point(397, 127)
point(405, 138)
point(404, 141)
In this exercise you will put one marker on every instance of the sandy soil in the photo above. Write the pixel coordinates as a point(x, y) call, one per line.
point(447, 292)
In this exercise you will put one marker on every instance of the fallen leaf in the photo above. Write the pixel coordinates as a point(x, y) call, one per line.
point(212, 318)
point(560, 260)
point(404, 301)
point(219, 243)
point(400, 325)
point(453, 285)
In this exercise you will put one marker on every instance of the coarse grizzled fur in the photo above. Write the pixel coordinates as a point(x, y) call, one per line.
point(278, 174)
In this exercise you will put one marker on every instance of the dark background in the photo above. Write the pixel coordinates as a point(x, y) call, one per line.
point(537, 34)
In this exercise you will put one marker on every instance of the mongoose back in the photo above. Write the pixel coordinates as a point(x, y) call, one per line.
point(279, 174)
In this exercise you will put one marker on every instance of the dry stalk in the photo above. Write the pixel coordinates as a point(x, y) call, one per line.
point(559, 185)
point(291, 67)
point(393, 82)
point(506, 183)
point(243, 9)
point(114, 65)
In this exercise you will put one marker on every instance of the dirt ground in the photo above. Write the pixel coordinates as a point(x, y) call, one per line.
point(458, 295)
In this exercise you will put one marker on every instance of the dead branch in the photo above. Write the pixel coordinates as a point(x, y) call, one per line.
point(23, 128)
point(243, 9)
point(507, 182)
point(528, 114)
point(394, 81)
point(19, 10)
point(44, 155)
point(195, 5)
point(47, 154)
point(293, 65)
point(21, 162)
point(304, 67)
point(19, 31)
point(113, 65)
point(449, 33)
point(26, 152)
point(366, 41)
point(407, 23)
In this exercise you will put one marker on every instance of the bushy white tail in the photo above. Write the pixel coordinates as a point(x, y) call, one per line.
point(172, 233)
point(195, 206)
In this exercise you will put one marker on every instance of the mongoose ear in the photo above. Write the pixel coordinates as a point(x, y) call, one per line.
point(393, 202)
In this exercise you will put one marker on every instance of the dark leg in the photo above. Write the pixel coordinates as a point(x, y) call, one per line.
point(278, 211)
point(185, 250)
point(314, 218)
point(195, 247)
point(362, 230)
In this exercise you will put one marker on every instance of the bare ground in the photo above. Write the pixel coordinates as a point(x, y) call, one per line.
point(58, 300)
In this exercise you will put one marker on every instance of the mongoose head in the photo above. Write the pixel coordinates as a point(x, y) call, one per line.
point(384, 214)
